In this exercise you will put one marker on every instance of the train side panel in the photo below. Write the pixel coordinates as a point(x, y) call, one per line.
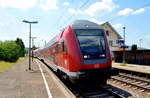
point(73, 51)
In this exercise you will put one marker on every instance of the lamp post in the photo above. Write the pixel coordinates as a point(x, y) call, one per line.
point(124, 44)
point(32, 46)
point(30, 22)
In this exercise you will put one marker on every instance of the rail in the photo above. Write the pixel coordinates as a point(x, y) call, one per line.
point(133, 81)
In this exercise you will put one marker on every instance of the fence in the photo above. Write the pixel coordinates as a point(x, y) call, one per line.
point(141, 57)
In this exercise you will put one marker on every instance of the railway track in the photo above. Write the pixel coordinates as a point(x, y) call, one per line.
point(91, 90)
point(86, 90)
point(134, 73)
point(140, 83)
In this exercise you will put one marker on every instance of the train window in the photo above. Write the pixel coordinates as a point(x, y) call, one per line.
point(57, 48)
point(64, 48)
point(89, 32)
point(92, 43)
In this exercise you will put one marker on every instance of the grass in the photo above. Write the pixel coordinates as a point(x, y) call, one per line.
point(4, 66)
point(124, 63)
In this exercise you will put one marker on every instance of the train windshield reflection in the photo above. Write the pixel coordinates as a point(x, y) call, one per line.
point(92, 43)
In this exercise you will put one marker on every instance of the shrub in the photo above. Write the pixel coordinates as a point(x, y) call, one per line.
point(12, 50)
point(134, 47)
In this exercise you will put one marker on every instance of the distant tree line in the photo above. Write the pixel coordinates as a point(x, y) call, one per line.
point(134, 47)
point(11, 50)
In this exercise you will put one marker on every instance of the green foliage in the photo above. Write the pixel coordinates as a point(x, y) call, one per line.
point(124, 63)
point(34, 47)
point(22, 47)
point(11, 50)
point(134, 47)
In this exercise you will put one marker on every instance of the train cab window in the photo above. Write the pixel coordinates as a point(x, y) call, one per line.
point(92, 43)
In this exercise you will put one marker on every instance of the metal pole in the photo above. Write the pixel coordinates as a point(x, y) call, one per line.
point(124, 44)
point(30, 48)
point(30, 22)
point(45, 43)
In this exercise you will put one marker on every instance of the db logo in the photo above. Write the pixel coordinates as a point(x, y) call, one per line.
point(96, 66)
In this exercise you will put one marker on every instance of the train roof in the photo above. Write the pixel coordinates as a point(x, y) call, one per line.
point(77, 24)
point(85, 24)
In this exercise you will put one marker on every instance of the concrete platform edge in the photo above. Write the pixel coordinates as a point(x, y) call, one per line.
point(62, 87)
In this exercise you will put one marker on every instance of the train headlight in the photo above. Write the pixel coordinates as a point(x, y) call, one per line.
point(85, 56)
point(102, 55)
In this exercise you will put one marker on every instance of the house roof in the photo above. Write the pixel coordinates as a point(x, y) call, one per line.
point(109, 25)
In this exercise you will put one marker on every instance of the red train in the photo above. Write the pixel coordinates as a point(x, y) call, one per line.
point(79, 52)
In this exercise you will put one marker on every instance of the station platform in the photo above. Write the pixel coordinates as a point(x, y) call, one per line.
point(132, 67)
point(37, 83)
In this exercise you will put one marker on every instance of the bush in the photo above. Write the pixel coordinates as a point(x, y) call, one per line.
point(22, 47)
point(134, 47)
point(11, 50)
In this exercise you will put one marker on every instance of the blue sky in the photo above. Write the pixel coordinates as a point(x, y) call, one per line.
point(53, 15)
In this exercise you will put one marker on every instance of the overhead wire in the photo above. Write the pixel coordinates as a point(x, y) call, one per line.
point(62, 14)
point(70, 17)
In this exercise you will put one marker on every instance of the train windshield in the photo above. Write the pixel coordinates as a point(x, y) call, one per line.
point(92, 43)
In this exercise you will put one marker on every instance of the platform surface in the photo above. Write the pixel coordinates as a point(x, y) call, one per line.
point(133, 67)
point(20, 83)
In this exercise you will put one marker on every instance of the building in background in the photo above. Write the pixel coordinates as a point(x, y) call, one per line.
point(112, 36)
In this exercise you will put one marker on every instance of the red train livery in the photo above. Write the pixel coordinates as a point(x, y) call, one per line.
point(79, 52)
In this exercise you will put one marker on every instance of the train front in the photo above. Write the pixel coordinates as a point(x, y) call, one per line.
point(94, 51)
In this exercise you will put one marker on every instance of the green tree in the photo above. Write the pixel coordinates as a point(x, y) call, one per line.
point(22, 47)
point(1, 52)
point(134, 47)
point(10, 51)
point(34, 47)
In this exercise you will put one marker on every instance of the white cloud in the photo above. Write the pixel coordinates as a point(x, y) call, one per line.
point(73, 11)
point(125, 11)
point(101, 8)
point(118, 26)
point(139, 11)
point(26, 4)
point(22, 4)
point(48, 4)
point(66, 3)
point(128, 11)
point(96, 21)
point(147, 36)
